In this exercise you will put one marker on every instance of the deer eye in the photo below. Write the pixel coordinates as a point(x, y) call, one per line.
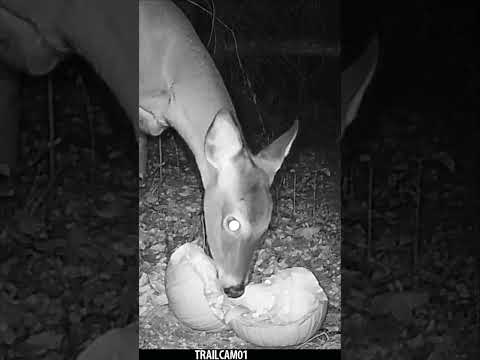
point(232, 224)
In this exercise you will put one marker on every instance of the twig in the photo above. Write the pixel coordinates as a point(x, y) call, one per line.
point(177, 156)
point(51, 123)
point(476, 285)
point(35, 203)
point(314, 212)
point(277, 199)
point(41, 153)
point(370, 209)
point(91, 128)
point(294, 190)
point(160, 158)
point(418, 209)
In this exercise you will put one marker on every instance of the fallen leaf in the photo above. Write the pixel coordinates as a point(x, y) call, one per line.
point(47, 340)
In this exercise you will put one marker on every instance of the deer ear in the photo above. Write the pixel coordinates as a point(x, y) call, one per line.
point(354, 83)
point(40, 58)
point(271, 158)
point(223, 140)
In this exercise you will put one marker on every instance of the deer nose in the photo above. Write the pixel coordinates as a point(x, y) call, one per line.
point(235, 291)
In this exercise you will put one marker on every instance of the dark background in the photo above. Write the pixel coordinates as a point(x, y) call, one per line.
point(411, 159)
